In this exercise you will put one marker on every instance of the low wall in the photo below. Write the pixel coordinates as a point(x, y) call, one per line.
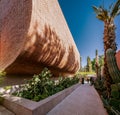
point(21, 106)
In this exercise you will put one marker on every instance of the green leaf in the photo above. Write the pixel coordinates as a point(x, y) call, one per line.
point(115, 103)
point(115, 94)
point(118, 12)
point(114, 87)
point(115, 9)
point(96, 10)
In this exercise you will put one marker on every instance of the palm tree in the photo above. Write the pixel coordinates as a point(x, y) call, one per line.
point(108, 16)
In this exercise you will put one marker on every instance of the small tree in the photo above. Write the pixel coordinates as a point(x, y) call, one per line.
point(89, 65)
point(101, 60)
point(93, 64)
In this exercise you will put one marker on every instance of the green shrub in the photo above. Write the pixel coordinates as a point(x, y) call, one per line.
point(2, 74)
point(115, 103)
point(42, 86)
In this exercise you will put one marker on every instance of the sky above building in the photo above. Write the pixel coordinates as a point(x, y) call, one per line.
point(86, 29)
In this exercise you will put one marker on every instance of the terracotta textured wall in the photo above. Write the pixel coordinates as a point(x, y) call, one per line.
point(34, 34)
point(118, 58)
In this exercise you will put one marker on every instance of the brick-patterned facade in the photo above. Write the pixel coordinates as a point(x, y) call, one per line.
point(34, 34)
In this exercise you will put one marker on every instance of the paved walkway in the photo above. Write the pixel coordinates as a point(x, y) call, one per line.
point(4, 111)
point(83, 101)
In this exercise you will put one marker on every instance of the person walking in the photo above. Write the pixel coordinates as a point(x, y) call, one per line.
point(91, 81)
point(82, 81)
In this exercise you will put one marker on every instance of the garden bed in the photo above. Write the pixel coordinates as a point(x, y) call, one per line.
point(22, 106)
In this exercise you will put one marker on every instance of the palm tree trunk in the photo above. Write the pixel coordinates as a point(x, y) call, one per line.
point(97, 64)
point(109, 42)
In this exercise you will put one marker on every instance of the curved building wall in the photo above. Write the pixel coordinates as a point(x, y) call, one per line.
point(34, 34)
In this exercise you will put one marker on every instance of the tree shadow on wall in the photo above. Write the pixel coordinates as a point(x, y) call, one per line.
point(47, 49)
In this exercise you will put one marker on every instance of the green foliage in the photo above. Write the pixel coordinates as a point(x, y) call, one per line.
point(115, 94)
point(106, 104)
point(114, 100)
point(99, 84)
point(112, 104)
point(67, 82)
point(114, 87)
point(109, 106)
point(42, 86)
point(2, 74)
point(93, 64)
point(100, 61)
point(112, 65)
point(89, 65)
point(7, 87)
point(115, 103)
point(107, 14)
point(118, 85)
point(86, 73)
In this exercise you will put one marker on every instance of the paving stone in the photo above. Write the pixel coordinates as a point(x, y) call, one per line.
point(4, 111)
point(83, 101)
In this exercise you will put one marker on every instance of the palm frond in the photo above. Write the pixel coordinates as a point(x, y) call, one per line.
point(96, 10)
point(101, 13)
point(100, 17)
point(105, 13)
point(115, 9)
point(111, 7)
point(118, 12)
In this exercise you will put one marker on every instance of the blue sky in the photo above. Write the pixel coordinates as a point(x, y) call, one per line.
point(86, 29)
